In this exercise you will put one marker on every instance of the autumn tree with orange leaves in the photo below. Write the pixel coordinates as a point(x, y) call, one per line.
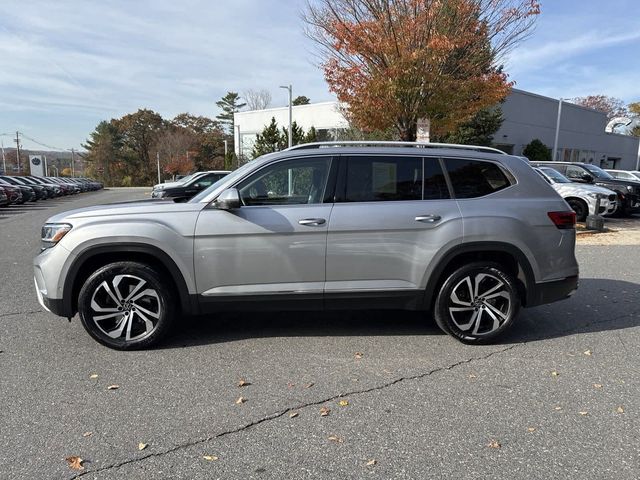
point(396, 61)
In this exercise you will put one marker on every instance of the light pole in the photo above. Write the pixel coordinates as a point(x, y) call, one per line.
point(158, 163)
point(290, 88)
point(555, 142)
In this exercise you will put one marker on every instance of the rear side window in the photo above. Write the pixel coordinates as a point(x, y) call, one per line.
point(379, 179)
point(475, 178)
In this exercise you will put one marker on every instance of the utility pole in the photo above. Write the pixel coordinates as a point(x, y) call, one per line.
point(290, 88)
point(158, 163)
point(18, 150)
point(555, 142)
point(4, 160)
point(73, 163)
point(226, 148)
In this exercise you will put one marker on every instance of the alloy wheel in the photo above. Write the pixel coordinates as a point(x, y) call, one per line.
point(480, 304)
point(125, 307)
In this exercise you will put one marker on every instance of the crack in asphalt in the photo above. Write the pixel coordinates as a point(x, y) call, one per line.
point(280, 413)
point(20, 313)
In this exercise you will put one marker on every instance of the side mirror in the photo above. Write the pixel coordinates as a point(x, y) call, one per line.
point(587, 178)
point(228, 200)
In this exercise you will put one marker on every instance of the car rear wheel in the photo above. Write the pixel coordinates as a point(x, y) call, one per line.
point(477, 302)
point(580, 207)
point(126, 305)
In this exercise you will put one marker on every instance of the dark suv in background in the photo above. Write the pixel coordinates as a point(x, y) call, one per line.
point(628, 192)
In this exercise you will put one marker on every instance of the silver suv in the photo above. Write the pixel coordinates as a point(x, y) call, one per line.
point(468, 233)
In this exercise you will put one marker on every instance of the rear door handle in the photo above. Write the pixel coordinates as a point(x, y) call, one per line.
point(428, 218)
point(312, 222)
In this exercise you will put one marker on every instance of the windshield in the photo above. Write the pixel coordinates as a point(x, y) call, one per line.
point(232, 176)
point(555, 175)
point(598, 172)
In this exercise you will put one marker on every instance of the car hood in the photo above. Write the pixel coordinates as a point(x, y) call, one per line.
point(580, 189)
point(615, 181)
point(162, 186)
point(140, 207)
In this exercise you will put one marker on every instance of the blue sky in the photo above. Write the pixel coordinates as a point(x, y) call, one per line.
point(66, 65)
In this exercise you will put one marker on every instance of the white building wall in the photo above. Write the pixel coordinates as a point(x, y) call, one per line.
point(321, 116)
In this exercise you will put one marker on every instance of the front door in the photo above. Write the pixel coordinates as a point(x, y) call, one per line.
point(274, 246)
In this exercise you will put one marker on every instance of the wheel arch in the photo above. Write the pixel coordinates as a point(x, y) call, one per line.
point(92, 258)
point(505, 254)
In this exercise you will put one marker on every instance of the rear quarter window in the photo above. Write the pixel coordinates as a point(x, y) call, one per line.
point(475, 178)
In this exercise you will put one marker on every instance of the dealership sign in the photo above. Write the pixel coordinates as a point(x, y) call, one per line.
point(36, 165)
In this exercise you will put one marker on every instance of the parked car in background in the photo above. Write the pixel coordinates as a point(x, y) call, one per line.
point(628, 192)
point(632, 175)
point(581, 197)
point(53, 189)
point(4, 199)
point(189, 186)
point(28, 194)
point(14, 194)
point(38, 190)
point(468, 233)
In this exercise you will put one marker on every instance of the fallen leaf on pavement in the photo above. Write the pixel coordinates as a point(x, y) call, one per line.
point(558, 408)
point(494, 444)
point(210, 458)
point(309, 385)
point(587, 353)
point(243, 383)
point(87, 434)
point(142, 446)
point(93, 375)
point(75, 463)
point(343, 403)
point(333, 438)
point(472, 375)
point(371, 462)
point(240, 400)
point(620, 410)
point(113, 387)
point(291, 385)
point(531, 429)
point(597, 385)
point(583, 413)
point(359, 355)
point(554, 374)
point(293, 414)
point(324, 411)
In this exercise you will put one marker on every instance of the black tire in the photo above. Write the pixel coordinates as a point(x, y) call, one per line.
point(580, 207)
point(147, 308)
point(462, 324)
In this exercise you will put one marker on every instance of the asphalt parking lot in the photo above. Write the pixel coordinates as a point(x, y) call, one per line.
point(559, 397)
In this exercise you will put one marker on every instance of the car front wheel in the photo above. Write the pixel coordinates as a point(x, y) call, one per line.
point(126, 305)
point(477, 302)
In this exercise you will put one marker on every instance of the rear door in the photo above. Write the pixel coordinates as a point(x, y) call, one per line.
point(392, 214)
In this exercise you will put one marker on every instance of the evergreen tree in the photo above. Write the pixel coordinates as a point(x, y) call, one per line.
point(536, 151)
point(301, 100)
point(297, 133)
point(479, 130)
point(270, 140)
point(311, 136)
point(229, 104)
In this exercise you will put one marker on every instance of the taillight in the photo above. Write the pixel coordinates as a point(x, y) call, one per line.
point(563, 220)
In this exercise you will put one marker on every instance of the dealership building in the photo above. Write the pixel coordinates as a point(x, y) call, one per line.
point(527, 116)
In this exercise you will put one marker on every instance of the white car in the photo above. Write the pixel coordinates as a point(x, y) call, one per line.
point(631, 175)
point(582, 197)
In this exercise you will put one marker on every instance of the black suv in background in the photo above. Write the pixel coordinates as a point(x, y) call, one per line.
point(628, 191)
point(188, 187)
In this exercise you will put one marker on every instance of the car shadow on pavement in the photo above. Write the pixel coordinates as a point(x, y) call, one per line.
point(599, 305)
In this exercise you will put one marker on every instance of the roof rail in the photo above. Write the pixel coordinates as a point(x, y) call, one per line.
point(378, 143)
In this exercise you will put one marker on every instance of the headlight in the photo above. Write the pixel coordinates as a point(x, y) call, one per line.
point(160, 194)
point(52, 233)
point(629, 188)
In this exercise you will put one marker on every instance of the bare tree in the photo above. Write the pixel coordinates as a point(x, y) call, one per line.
point(257, 99)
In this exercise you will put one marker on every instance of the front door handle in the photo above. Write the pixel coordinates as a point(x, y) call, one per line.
point(428, 218)
point(312, 222)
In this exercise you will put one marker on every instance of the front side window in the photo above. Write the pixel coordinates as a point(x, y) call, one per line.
point(379, 179)
point(475, 178)
point(292, 182)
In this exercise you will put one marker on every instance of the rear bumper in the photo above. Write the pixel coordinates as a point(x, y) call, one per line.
point(549, 292)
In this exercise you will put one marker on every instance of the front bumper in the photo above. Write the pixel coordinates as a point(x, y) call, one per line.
point(553, 291)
